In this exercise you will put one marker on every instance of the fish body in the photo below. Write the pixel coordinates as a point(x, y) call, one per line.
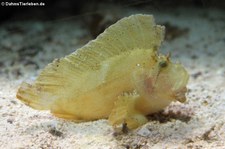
point(119, 76)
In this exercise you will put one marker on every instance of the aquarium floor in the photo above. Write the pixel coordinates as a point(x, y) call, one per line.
point(195, 38)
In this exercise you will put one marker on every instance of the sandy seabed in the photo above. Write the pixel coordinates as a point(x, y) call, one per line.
point(195, 37)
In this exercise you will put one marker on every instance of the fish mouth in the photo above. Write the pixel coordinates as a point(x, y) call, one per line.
point(179, 95)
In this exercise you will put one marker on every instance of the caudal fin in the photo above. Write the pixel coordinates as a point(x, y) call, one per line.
point(31, 96)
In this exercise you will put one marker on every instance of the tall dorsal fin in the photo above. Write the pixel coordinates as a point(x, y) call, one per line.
point(137, 31)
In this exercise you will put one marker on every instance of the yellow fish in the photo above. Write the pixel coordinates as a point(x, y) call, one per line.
point(119, 76)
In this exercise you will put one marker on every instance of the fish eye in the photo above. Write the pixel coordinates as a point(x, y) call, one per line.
point(162, 64)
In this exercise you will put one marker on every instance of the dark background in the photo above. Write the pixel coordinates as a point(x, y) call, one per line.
point(59, 9)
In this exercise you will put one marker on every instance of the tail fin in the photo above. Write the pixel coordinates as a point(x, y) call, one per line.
point(31, 96)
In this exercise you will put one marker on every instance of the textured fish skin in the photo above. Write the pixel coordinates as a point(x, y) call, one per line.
point(119, 76)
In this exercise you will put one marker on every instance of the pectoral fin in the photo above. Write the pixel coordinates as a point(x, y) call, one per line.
point(124, 112)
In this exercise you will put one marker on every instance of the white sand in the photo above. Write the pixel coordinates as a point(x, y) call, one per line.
point(198, 123)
